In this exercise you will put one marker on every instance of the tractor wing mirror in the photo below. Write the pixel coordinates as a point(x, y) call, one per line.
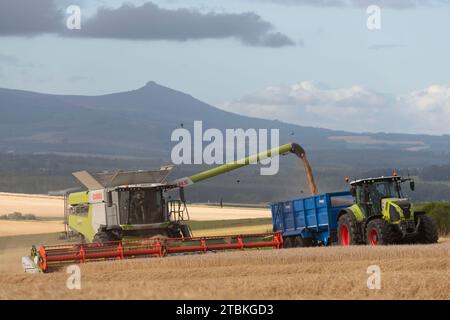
point(412, 185)
point(353, 191)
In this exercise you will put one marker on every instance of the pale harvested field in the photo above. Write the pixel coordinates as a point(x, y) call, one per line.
point(40, 205)
point(263, 228)
point(49, 206)
point(408, 272)
point(16, 228)
point(11, 228)
point(203, 212)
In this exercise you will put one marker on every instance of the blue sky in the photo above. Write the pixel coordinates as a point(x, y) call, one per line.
point(331, 64)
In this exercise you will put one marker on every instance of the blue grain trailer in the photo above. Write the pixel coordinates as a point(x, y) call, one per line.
point(309, 221)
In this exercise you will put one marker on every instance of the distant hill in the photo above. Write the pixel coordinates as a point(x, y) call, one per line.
point(139, 123)
point(131, 130)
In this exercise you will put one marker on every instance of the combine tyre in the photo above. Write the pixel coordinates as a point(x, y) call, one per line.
point(348, 233)
point(427, 230)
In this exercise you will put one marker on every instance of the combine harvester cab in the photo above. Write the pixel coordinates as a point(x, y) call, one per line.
point(121, 205)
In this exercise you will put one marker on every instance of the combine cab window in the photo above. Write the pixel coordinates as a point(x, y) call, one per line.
point(141, 206)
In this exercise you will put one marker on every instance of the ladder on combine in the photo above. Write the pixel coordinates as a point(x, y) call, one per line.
point(48, 258)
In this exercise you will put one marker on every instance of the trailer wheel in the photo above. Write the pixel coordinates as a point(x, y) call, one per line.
point(288, 242)
point(380, 232)
point(300, 242)
point(348, 230)
point(428, 232)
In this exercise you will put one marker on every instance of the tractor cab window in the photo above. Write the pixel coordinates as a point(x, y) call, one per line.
point(381, 190)
point(385, 189)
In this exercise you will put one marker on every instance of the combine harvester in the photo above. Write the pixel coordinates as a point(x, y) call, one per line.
point(127, 215)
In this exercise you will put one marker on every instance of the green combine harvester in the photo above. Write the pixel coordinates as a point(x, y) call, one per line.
point(120, 205)
point(126, 215)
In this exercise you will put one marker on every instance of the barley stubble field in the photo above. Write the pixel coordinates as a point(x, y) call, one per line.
point(407, 272)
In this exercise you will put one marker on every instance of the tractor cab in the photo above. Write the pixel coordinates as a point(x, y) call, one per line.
point(373, 194)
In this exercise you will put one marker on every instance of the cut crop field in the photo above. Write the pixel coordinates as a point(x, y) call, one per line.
point(11, 228)
point(407, 272)
point(40, 205)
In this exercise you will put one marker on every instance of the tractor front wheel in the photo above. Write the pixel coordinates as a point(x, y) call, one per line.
point(428, 232)
point(379, 232)
point(347, 230)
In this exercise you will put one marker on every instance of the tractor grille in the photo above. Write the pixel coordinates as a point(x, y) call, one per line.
point(407, 227)
point(406, 207)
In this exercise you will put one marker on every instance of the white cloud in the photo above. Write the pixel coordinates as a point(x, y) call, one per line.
point(435, 99)
point(355, 108)
point(391, 4)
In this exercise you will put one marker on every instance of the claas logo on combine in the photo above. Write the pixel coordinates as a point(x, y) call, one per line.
point(97, 196)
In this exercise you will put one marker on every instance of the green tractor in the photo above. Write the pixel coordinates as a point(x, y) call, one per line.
point(382, 215)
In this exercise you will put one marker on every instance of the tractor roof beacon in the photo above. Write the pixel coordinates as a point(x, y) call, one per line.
point(382, 214)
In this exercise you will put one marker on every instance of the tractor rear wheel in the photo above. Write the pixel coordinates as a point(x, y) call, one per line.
point(428, 232)
point(300, 242)
point(348, 233)
point(379, 232)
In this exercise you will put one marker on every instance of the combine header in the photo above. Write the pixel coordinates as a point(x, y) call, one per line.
point(48, 258)
point(128, 214)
